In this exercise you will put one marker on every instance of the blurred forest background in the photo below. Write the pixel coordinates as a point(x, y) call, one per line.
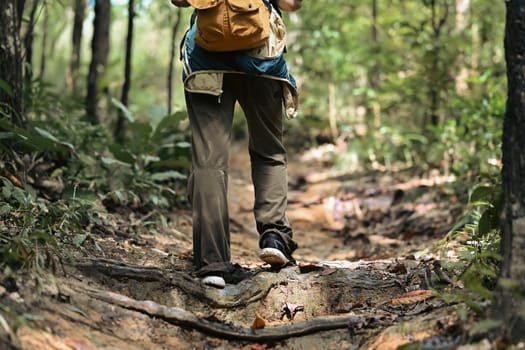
point(400, 83)
point(99, 115)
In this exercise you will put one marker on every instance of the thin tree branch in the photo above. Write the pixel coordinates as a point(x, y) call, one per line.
point(187, 319)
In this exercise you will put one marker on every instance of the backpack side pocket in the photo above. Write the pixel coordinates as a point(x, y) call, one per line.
point(210, 19)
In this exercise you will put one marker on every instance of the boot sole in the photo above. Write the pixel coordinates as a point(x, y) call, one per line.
point(273, 257)
point(214, 281)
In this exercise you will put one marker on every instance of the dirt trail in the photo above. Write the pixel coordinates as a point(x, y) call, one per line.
point(362, 242)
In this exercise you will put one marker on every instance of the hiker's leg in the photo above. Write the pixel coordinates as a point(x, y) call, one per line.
point(261, 101)
point(211, 122)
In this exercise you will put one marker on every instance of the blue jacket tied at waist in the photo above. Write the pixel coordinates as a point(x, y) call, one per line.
point(203, 70)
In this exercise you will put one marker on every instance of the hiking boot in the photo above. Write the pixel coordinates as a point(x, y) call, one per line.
point(237, 274)
point(274, 251)
point(218, 279)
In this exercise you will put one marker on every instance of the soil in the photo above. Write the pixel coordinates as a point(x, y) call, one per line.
point(369, 255)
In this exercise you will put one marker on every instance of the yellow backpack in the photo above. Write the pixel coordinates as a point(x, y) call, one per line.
point(231, 25)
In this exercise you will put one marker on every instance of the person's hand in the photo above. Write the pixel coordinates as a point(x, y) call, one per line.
point(180, 3)
point(290, 5)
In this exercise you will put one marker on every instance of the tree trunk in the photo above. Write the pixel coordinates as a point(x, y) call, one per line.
point(11, 85)
point(374, 21)
point(373, 107)
point(511, 287)
point(332, 112)
point(438, 21)
point(28, 42)
point(45, 31)
point(174, 31)
point(462, 21)
point(78, 26)
point(100, 52)
point(124, 99)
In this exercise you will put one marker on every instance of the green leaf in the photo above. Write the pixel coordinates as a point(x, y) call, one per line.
point(76, 309)
point(57, 172)
point(125, 111)
point(410, 346)
point(155, 200)
point(111, 161)
point(485, 223)
point(32, 317)
point(122, 154)
point(142, 133)
point(6, 87)
point(150, 159)
point(183, 144)
point(20, 196)
point(79, 239)
point(4, 325)
point(7, 135)
point(20, 133)
point(44, 236)
point(119, 196)
point(485, 326)
point(421, 253)
point(169, 121)
point(5, 209)
point(172, 163)
point(168, 175)
point(7, 189)
point(494, 255)
point(80, 193)
point(482, 193)
point(461, 221)
point(46, 134)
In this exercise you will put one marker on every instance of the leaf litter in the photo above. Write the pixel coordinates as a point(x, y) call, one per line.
point(359, 243)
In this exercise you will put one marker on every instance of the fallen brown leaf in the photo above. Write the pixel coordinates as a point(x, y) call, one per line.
point(258, 323)
point(14, 180)
point(412, 297)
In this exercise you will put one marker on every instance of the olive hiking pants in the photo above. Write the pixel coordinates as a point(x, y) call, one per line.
point(211, 120)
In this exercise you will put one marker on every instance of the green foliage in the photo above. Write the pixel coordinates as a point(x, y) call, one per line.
point(410, 87)
point(6, 88)
point(150, 170)
point(478, 235)
point(427, 90)
point(31, 226)
point(84, 167)
point(28, 222)
point(25, 236)
point(15, 318)
point(385, 148)
point(471, 141)
point(393, 74)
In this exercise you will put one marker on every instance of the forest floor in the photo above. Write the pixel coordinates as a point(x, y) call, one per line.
point(368, 258)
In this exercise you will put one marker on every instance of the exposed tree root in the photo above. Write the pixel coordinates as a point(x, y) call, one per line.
point(186, 319)
point(246, 293)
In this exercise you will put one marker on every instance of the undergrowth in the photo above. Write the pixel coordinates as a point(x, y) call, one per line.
point(474, 246)
point(62, 178)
